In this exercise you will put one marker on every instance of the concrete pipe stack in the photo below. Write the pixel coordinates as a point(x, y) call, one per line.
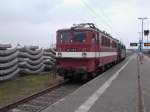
point(49, 59)
point(8, 62)
point(31, 60)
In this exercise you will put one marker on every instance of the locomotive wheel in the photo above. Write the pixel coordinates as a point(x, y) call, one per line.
point(65, 78)
point(103, 68)
point(84, 78)
point(106, 67)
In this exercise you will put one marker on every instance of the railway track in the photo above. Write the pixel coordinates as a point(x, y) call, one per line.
point(39, 101)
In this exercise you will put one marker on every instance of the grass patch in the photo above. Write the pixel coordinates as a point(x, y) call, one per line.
point(23, 86)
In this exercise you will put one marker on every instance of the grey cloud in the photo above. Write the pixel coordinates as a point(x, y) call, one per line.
point(25, 10)
point(36, 21)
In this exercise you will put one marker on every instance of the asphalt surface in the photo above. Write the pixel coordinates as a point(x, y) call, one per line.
point(113, 91)
point(145, 79)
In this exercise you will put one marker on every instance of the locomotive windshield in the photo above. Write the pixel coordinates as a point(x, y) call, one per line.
point(79, 37)
point(65, 37)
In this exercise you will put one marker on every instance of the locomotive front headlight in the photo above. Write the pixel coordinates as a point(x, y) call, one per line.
point(59, 54)
point(84, 54)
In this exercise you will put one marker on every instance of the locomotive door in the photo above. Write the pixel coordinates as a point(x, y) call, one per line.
point(97, 50)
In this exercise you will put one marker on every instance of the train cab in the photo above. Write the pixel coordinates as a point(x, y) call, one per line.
point(75, 48)
point(83, 49)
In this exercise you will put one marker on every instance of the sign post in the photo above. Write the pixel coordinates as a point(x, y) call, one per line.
point(146, 33)
point(147, 44)
point(133, 44)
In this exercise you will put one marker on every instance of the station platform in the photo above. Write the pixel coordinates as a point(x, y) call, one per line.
point(116, 90)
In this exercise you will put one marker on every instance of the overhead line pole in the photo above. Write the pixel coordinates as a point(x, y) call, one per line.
point(140, 106)
point(141, 42)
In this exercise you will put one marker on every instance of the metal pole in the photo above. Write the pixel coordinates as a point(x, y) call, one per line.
point(139, 35)
point(142, 37)
point(147, 41)
point(141, 43)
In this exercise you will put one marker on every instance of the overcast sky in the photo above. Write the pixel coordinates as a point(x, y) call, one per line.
point(34, 22)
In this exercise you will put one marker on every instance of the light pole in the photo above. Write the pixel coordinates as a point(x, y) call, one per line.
point(141, 43)
point(140, 35)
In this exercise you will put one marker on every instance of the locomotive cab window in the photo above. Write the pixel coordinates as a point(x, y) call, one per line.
point(93, 38)
point(79, 37)
point(65, 37)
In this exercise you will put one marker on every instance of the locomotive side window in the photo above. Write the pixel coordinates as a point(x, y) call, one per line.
point(95, 38)
point(65, 37)
point(79, 37)
point(114, 45)
point(103, 41)
point(108, 42)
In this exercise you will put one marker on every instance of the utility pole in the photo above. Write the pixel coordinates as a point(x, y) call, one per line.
point(147, 41)
point(141, 43)
point(140, 35)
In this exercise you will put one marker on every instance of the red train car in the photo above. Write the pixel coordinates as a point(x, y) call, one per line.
point(83, 50)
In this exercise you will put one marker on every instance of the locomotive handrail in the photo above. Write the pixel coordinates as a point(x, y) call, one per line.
point(83, 25)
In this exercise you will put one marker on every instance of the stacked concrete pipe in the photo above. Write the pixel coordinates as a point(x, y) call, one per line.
point(8, 62)
point(49, 58)
point(31, 60)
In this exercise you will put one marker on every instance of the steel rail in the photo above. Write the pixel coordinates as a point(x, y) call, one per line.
point(33, 96)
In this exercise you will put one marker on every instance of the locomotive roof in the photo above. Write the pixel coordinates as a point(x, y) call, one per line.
point(91, 27)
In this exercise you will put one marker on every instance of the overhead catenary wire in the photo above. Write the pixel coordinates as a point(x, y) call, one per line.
point(91, 14)
point(88, 6)
point(94, 12)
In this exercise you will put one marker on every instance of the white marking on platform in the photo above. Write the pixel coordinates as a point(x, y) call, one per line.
point(82, 86)
point(85, 107)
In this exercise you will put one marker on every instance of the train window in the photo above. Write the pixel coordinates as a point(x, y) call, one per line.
point(114, 44)
point(65, 37)
point(108, 43)
point(100, 38)
point(95, 39)
point(79, 36)
point(103, 41)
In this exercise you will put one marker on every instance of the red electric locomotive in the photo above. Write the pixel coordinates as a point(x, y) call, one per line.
point(83, 50)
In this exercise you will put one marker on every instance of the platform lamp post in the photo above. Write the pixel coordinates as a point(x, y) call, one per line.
point(141, 43)
point(140, 35)
point(146, 33)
